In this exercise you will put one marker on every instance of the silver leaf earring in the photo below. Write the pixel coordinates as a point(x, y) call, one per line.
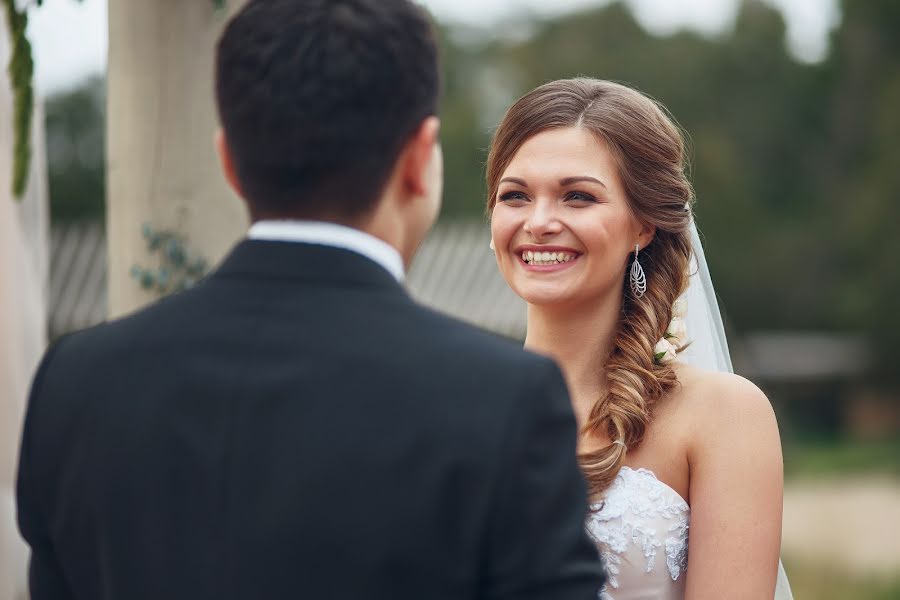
point(492, 244)
point(637, 279)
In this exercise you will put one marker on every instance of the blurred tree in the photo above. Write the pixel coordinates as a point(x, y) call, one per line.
point(861, 172)
point(463, 133)
point(76, 131)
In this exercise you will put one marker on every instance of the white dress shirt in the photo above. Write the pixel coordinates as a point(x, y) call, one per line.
point(334, 235)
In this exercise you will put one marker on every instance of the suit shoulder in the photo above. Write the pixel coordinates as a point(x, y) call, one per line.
point(470, 341)
point(92, 346)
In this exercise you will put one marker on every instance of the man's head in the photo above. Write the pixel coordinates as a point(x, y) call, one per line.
point(328, 110)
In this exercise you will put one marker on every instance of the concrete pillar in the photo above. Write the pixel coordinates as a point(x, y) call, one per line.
point(161, 164)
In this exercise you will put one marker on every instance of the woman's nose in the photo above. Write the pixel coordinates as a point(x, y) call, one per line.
point(542, 222)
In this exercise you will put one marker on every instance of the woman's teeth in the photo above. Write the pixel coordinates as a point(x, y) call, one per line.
point(546, 258)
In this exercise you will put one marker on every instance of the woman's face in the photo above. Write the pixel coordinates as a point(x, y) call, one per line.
point(561, 224)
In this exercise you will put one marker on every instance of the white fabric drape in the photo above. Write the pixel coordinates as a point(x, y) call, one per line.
point(24, 270)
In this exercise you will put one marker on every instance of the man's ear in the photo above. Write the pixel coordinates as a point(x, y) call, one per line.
point(227, 162)
point(417, 155)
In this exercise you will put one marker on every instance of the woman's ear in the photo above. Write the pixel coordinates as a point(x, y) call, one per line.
point(645, 235)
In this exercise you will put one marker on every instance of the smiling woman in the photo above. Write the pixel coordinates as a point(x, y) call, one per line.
point(596, 169)
point(591, 224)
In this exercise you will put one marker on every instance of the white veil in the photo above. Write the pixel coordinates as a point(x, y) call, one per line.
point(709, 347)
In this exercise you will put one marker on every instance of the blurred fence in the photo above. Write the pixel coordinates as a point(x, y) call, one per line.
point(454, 272)
point(77, 277)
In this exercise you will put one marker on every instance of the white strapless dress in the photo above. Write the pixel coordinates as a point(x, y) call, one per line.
point(641, 528)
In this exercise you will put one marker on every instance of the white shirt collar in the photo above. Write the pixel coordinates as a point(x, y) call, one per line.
point(331, 234)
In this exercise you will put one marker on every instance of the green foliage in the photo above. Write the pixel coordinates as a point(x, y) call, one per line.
point(860, 174)
point(21, 72)
point(21, 75)
point(178, 269)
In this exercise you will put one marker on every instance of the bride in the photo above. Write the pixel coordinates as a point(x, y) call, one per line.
point(592, 225)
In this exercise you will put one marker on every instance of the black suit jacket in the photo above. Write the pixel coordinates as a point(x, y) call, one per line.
point(297, 427)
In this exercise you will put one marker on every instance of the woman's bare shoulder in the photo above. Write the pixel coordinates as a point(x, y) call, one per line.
point(720, 400)
point(727, 416)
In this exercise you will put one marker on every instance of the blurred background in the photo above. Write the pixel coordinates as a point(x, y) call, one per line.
point(792, 111)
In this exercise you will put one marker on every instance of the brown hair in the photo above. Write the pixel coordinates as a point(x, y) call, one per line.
point(649, 151)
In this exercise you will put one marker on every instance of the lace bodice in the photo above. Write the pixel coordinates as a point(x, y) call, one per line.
point(641, 528)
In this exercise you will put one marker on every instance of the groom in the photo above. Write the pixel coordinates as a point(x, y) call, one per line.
point(296, 426)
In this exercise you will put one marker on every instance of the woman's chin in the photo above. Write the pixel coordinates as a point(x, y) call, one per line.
point(546, 297)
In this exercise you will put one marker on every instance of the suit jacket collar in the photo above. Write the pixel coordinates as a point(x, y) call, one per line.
point(263, 259)
point(330, 234)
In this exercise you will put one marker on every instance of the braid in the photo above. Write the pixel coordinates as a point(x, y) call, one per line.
point(635, 381)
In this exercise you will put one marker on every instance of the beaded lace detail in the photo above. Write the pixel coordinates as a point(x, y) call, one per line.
point(639, 516)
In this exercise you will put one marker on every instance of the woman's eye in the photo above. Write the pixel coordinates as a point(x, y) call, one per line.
point(512, 196)
point(580, 197)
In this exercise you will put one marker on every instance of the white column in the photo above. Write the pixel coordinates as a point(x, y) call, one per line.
point(162, 167)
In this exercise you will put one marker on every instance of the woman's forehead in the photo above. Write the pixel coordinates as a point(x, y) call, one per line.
point(562, 153)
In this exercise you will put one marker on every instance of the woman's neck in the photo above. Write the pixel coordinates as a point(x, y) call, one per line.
point(578, 338)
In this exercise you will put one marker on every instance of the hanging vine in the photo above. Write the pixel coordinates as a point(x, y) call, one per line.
point(21, 73)
point(21, 76)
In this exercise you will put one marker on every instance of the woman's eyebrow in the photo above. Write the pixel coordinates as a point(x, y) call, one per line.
point(570, 180)
point(563, 182)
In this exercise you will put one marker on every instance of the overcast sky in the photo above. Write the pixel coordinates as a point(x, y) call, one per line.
point(69, 38)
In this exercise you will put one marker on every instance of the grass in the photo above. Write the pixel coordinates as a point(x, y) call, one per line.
point(812, 582)
point(841, 458)
point(835, 459)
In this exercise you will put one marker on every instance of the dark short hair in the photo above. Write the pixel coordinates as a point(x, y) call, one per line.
point(318, 97)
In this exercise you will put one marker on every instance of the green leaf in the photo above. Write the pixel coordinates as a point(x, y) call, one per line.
point(175, 253)
point(164, 276)
point(178, 270)
point(198, 267)
point(147, 280)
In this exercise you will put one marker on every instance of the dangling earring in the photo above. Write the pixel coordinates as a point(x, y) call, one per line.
point(492, 244)
point(637, 279)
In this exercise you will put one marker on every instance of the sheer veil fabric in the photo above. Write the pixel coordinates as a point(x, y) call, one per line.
point(709, 347)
